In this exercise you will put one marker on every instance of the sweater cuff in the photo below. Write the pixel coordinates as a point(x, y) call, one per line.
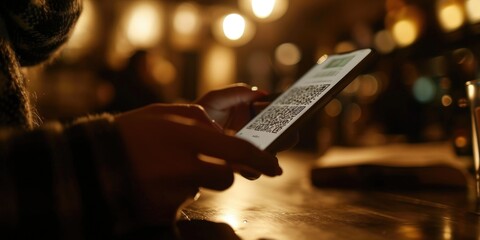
point(100, 160)
point(37, 184)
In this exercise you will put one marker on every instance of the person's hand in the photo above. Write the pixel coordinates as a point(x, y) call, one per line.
point(165, 144)
point(231, 107)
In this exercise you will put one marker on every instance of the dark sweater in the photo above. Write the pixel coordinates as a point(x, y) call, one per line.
point(56, 181)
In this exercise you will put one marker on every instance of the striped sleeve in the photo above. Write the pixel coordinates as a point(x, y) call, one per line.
point(61, 182)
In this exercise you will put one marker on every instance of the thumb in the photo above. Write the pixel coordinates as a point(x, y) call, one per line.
point(231, 96)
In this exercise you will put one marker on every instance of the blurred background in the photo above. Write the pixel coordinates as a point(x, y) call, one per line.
point(125, 54)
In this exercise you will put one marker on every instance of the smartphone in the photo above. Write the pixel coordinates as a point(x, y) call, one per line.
point(310, 93)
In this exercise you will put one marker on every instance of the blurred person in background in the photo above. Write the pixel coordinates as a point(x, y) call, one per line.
point(106, 175)
point(134, 85)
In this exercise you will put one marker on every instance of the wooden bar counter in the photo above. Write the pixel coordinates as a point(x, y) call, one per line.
point(290, 207)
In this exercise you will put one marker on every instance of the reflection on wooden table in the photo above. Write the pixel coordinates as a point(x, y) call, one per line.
point(290, 207)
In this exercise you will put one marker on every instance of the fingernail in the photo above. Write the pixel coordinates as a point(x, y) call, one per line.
point(256, 89)
point(249, 175)
point(278, 171)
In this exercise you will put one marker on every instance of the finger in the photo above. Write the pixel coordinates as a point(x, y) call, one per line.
point(247, 173)
point(232, 149)
point(214, 176)
point(239, 116)
point(231, 96)
point(244, 155)
point(250, 175)
point(193, 111)
point(239, 152)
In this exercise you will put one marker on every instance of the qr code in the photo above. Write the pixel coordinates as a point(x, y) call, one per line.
point(304, 95)
point(275, 118)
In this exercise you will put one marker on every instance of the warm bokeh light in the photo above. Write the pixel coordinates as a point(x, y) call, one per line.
point(447, 228)
point(162, 70)
point(405, 32)
point(411, 231)
point(333, 108)
point(472, 7)
point(447, 100)
point(119, 51)
point(369, 86)
point(140, 26)
point(405, 25)
point(264, 10)
point(450, 15)
point(344, 46)
point(218, 68)
point(352, 88)
point(231, 219)
point(384, 42)
point(144, 24)
point(322, 59)
point(233, 29)
point(462, 102)
point(82, 35)
point(233, 26)
point(186, 19)
point(288, 54)
point(461, 141)
point(355, 112)
point(187, 26)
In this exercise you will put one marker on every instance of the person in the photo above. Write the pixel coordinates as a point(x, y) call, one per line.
point(106, 175)
point(134, 86)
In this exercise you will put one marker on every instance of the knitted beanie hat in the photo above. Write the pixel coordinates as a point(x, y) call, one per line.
point(30, 32)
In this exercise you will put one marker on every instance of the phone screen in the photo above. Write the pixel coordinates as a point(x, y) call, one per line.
point(312, 91)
